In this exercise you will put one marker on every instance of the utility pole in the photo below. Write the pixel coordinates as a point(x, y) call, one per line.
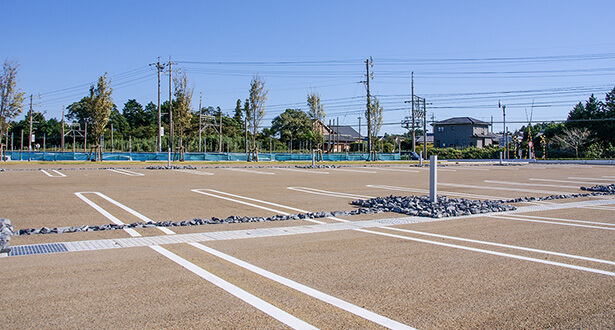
point(360, 141)
point(369, 62)
point(220, 136)
point(424, 129)
point(62, 141)
point(200, 116)
point(246, 129)
point(413, 120)
point(159, 68)
point(171, 128)
point(30, 134)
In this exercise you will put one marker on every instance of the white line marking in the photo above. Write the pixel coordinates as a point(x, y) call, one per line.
point(549, 222)
point(500, 188)
point(532, 184)
point(446, 169)
point(356, 310)
point(394, 169)
point(559, 219)
point(201, 191)
point(328, 193)
point(504, 246)
point(127, 209)
point(590, 179)
point(263, 202)
point(564, 181)
point(441, 192)
point(501, 254)
point(125, 172)
point(299, 170)
point(608, 176)
point(194, 172)
point(248, 171)
point(249, 298)
point(59, 174)
point(356, 171)
point(108, 215)
point(472, 169)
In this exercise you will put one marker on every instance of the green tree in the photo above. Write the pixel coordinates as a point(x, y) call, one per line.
point(293, 124)
point(316, 110)
point(11, 97)
point(256, 110)
point(182, 113)
point(238, 117)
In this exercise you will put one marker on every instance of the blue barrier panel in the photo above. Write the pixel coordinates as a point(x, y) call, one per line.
point(189, 156)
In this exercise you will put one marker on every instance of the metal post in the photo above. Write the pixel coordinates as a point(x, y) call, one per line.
point(433, 178)
point(424, 128)
point(169, 158)
point(421, 158)
point(313, 160)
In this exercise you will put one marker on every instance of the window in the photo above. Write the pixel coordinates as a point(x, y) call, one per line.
point(440, 129)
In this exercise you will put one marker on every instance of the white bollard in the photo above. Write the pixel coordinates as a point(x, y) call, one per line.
point(433, 178)
point(169, 158)
point(421, 158)
point(501, 155)
point(313, 160)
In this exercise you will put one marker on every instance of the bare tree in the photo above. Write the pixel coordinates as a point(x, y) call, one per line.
point(573, 138)
point(181, 108)
point(376, 116)
point(99, 109)
point(316, 110)
point(256, 111)
point(11, 98)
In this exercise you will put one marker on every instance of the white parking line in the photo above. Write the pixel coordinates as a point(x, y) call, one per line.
point(599, 271)
point(203, 192)
point(356, 310)
point(471, 168)
point(120, 205)
point(501, 254)
point(248, 171)
point(125, 172)
point(440, 191)
point(395, 169)
point(500, 188)
point(59, 174)
point(108, 215)
point(328, 193)
point(564, 181)
point(300, 170)
point(349, 170)
point(515, 247)
point(194, 172)
point(549, 222)
point(249, 298)
point(560, 219)
point(590, 179)
point(532, 184)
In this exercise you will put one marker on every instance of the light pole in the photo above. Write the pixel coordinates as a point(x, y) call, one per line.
point(504, 130)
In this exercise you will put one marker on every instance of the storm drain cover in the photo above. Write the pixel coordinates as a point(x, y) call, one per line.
point(24, 250)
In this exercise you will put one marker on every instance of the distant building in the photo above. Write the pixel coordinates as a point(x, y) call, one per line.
point(461, 132)
point(337, 138)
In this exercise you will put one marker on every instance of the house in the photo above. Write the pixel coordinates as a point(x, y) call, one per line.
point(337, 138)
point(461, 132)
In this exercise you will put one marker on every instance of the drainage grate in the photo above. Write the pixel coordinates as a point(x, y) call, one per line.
point(25, 250)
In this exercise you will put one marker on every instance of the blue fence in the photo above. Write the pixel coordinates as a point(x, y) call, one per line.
point(190, 156)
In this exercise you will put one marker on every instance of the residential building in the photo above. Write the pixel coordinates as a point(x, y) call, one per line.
point(461, 132)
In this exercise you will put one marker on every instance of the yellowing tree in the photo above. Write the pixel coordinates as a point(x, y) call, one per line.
point(11, 98)
point(99, 105)
point(182, 113)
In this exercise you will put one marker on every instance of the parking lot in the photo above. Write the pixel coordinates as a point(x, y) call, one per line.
point(548, 264)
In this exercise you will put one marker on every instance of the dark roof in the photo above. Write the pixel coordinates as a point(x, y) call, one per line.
point(461, 121)
point(489, 135)
point(347, 131)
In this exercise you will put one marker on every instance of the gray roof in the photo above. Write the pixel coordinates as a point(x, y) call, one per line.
point(347, 133)
point(461, 121)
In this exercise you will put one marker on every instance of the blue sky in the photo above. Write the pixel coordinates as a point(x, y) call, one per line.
point(465, 55)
